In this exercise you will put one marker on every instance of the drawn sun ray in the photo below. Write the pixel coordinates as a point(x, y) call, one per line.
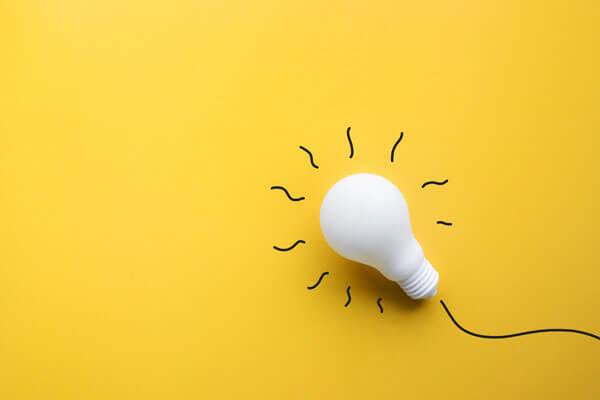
point(312, 162)
point(349, 297)
point(291, 247)
point(287, 193)
point(434, 183)
point(318, 281)
point(396, 144)
point(350, 143)
point(379, 305)
point(444, 223)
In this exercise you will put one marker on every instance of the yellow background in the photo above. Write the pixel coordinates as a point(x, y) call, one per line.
point(138, 142)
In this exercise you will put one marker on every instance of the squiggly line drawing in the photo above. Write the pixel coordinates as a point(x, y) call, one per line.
point(287, 193)
point(443, 223)
point(350, 142)
point(396, 144)
point(289, 248)
point(311, 157)
point(318, 282)
point(349, 297)
point(434, 183)
point(510, 335)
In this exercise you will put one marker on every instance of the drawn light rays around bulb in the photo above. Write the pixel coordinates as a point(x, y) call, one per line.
point(312, 161)
point(296, 243)
point(349, 297)
point(442, 183)
point(396, 144)
point(312, 287)
point(379, 305)
point(350, 143)
point(287, 193)
point(293, 198)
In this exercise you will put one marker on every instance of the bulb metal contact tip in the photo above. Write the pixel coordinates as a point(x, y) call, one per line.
point(422, 284)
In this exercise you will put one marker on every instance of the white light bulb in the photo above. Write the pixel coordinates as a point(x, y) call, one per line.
point(364, 218)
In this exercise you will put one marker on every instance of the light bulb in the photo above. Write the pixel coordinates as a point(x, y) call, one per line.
point(364, 218)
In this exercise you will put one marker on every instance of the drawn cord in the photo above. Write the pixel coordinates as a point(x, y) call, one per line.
point(511, 335)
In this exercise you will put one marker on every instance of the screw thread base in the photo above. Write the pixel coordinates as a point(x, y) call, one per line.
point(422, 284)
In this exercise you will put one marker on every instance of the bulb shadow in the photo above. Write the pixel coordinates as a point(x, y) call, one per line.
point(367, 282)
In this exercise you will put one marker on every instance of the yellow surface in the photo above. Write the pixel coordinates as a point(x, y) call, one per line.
point(138, 142)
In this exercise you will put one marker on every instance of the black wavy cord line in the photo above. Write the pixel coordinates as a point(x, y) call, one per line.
point(350, 141)
point(287, 193)
point(289, 248)
point(310, 155)
point(379, 304)
point(318, 282)
point(511, 335)
point(396, 144)
point(443, 223)
point(349, 297)
point(434, 183)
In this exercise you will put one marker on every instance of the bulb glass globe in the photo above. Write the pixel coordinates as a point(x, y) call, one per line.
point(364, 218)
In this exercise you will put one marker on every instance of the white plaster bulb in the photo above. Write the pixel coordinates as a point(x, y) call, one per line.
point(364, 218)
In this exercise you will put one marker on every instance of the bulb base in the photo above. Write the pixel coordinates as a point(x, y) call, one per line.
point(422, 284)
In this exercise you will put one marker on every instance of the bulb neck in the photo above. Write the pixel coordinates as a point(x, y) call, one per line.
point(422, 284)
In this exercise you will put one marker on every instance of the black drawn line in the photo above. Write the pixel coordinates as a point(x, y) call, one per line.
point(287, 193)
point(310, 155)
point(396, 144)
point(514, 334)
point(318, 282)
point(349, 297)
point(434, 183)
point(350, 141)
point(443, 223)
point(379, 304)
point(289, 248)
